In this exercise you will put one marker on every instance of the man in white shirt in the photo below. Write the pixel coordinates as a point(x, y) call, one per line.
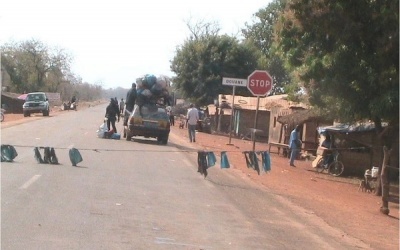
point(192, 118)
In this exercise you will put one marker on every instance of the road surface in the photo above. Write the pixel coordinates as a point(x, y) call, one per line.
point(139, 195)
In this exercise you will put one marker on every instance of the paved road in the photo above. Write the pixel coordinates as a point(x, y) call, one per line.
point(139, 195)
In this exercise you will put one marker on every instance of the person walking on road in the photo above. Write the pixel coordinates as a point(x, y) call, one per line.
point(130, 103)
point(112, 112)
point(294, 144)
point(192, 119)
point(121, 106)
point(171, 117)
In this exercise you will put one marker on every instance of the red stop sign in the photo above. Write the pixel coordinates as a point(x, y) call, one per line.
point(259, 83)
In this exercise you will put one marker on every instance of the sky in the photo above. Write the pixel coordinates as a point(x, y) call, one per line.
point(115, 42)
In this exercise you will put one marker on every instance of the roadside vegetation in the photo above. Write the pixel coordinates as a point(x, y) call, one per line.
point(341, 57)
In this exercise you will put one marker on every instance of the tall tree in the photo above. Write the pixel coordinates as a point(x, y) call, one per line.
point(33, 66)
point(12, 64)
point(346, 54)
point(205, 58)
point(261, 33)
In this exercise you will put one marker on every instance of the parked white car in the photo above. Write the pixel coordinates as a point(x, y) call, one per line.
point(36, 102)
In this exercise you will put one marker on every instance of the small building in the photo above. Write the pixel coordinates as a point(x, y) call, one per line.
point(11, 103)
point(244, 113)
point(285, 120)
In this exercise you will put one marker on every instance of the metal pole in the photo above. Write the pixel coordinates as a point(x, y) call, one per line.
point(233, 109)
point(255, 124)
point(219, 118)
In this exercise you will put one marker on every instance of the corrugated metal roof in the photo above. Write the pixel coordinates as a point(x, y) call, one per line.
point(350, 128)
point(10, 94)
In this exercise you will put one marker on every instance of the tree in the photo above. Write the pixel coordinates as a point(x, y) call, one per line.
point(34, 66)
point(12, 64)
point(261, 33)
point(345, 53)
point(205, 58)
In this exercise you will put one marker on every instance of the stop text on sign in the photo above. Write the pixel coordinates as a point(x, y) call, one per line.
point(259, 83)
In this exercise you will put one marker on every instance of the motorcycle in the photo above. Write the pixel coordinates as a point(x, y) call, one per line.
point(69, 106)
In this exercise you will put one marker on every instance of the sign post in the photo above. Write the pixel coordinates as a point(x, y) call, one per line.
point(259, 84)
point(233, 82)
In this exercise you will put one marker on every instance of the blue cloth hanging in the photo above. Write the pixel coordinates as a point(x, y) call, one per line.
point(224, 160)
point(266, 161)
point(211, 159)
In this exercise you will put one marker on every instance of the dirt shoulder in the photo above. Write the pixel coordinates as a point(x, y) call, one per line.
point(336, 200)
point(11, 119)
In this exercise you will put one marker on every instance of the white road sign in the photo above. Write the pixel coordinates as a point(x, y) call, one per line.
point(234, 82)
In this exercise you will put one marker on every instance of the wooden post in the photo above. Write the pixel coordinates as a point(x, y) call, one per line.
point(219, 119)
point(385, 182)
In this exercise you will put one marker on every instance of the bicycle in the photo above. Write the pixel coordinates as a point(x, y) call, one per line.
point(330, 163)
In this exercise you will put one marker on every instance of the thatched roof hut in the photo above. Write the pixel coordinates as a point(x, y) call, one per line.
point(301, 116)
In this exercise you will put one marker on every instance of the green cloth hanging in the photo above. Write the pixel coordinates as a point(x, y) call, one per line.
point(75, 156)
point(8, 153)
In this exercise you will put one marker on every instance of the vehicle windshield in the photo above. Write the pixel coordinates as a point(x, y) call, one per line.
point(35, 97)
point(149, 111)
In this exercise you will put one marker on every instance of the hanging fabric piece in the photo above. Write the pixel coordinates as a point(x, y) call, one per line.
point(49, 155)
point(211, 159)
point(38, 156)
point(224, 160)
point(74, 156)
point(46, 155)
point(8, 153)
point(202, 163)
point(254, 161)
point(53, 157)
point(246, 156)
point(266, 161)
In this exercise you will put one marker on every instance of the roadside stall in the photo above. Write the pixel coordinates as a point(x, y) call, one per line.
point(355, 145)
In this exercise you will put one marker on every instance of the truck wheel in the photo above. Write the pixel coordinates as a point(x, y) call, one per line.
point(164, 140)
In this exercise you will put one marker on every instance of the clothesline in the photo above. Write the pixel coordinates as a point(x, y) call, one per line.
point(130, 150)
point(206, 159)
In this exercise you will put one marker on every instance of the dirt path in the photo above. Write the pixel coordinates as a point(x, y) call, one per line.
point(336, 200)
